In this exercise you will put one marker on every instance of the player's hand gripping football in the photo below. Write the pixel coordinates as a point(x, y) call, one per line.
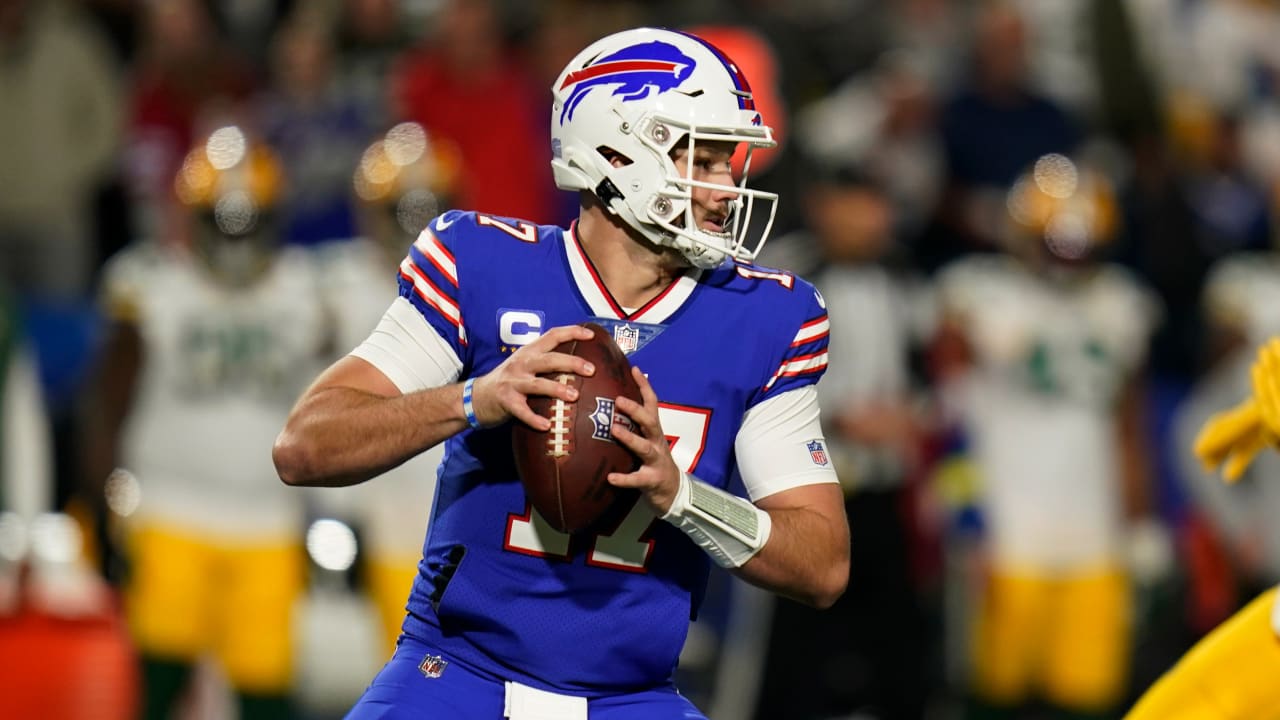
point(504, 392)
point(1233, 438)
point(658, 477)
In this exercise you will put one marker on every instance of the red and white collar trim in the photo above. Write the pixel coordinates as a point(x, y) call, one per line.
point(602, 303)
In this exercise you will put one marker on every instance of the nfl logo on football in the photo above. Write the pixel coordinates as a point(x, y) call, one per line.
point(433, 666)
point(627, 338)
point(817, 452)
point(602, 418)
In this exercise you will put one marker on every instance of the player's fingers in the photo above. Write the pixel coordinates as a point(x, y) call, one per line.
point(626, 480)
point(1221, 431)
point(646, 390)
point(1242, 455)
point(560, 386)
point(635, 442)
point(644, 416)
point(561, 334)
point(521, 411)
point(555, 362)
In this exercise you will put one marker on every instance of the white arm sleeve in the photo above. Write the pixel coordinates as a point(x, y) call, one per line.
point(780, 445)
point(409, 351)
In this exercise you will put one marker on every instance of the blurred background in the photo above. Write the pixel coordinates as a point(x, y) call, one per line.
point(1045, 232)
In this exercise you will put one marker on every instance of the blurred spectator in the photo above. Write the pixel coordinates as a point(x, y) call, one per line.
point(932, 33)
point(1230, 209)
point(865, 657)
point(250, 25)
point(59, 132)
point(884, 121)
point(1046, 347)
point(465, 87)
point(207, 344)
point(184, 73)
point(992, 129)
point(319, 128)
point(370, 35)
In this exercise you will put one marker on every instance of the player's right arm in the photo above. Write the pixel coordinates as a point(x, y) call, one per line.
point(355, 423)
point(398, 394)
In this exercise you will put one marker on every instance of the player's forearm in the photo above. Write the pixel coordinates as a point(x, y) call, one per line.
point(340, 436)
point(806, 558)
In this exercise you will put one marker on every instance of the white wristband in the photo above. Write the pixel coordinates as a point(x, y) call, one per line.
point(729, 528)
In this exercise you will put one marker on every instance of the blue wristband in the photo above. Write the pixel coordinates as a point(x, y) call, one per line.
point(467, 408)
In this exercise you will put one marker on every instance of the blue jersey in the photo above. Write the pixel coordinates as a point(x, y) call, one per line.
point(587, 614)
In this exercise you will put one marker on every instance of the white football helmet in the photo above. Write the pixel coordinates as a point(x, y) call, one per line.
point(638, 93)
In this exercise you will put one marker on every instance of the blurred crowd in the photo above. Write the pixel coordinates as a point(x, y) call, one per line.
point(1044, 231)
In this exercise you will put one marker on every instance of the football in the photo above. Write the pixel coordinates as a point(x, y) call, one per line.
point(565, 469)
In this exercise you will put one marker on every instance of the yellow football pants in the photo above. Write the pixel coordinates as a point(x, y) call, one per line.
point(1233, 673)
point(1062, 640)
point(188, 596)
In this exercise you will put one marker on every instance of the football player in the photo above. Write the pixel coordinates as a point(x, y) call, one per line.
point(1039, 350)
point(1230, 674)
point(506, 613)
point(208, 342)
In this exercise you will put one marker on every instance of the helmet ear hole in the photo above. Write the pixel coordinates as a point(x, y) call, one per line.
point(614, 157)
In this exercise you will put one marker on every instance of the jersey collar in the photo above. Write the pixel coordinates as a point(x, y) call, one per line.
point(602, 303)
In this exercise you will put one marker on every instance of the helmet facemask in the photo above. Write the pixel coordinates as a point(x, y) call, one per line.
point(668, 215)
point(641, 94)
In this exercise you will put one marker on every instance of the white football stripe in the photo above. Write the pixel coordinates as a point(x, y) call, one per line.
point(429, 245)
point(429, 292)
point(799, 366)
point(796, 367)
point(812, 331)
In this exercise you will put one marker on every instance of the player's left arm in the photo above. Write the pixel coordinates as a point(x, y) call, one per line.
point(794, 540)
point(807, 555)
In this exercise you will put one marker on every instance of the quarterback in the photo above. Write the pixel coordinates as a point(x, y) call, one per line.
point(507, 617)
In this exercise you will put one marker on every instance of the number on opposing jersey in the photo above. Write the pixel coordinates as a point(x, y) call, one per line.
point(522, 231)
point(625, 548)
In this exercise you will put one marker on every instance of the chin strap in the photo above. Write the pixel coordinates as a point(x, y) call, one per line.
point(729, 528)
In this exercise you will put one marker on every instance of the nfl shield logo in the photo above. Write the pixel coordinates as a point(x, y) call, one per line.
point(433, 666)
point(602, 419)
point(627, 337)
point(817, 452)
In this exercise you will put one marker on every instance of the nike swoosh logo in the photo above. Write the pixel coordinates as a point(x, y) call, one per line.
point(442, 224)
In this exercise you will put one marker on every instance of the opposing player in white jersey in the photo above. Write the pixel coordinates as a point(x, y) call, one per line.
point(209, 341)
point(508, 616)
point(1231, 673)
point(404, 179)
point(1044, 345)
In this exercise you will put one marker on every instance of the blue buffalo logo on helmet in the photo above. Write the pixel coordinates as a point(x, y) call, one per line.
point(637, 71)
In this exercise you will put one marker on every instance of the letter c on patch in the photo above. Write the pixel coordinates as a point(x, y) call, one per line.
point(519, 327)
